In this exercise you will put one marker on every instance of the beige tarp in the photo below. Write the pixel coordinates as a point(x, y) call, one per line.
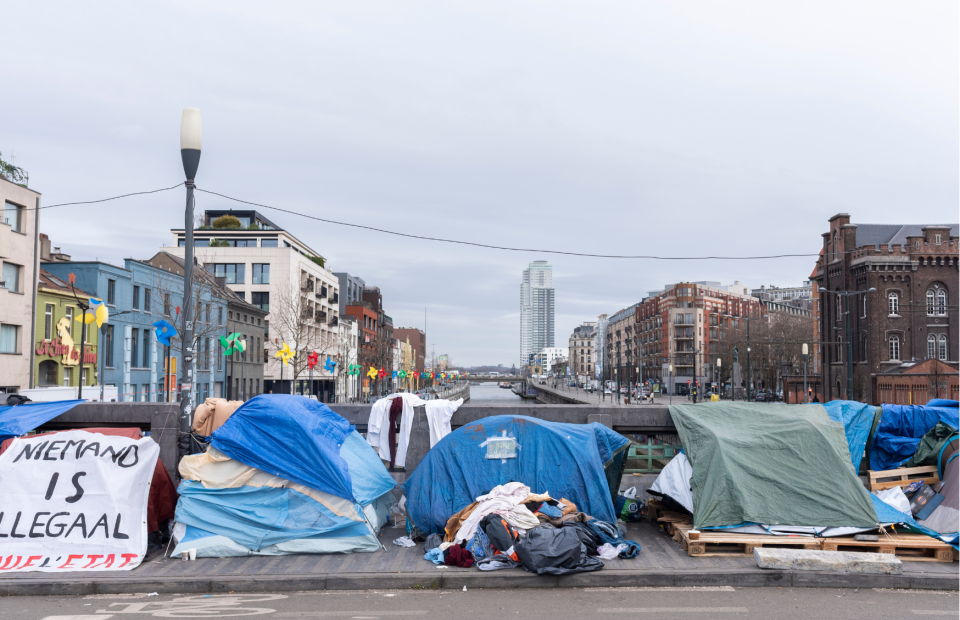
point(216, 470)
point(212, 414)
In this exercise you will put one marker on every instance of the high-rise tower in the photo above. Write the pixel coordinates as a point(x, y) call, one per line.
point(536, 309)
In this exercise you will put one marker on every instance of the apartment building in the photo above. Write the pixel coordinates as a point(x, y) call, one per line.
point(677, 330)
point(536, 309)
point(272, 269)
point(620, 347)
point(19, 249)
point(580, 346)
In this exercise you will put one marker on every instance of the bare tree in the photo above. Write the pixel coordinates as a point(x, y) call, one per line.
point(938, 381)
point(297, 321)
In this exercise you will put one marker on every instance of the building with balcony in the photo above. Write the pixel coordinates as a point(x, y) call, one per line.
point(272, 269)
point(677, 330)
point(536, 309)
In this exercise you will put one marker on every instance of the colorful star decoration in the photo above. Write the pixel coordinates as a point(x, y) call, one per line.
point(313, 359)
point(232, 344)
point(330, 365)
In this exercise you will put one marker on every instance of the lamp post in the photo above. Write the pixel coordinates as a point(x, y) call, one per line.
point(190, 142)
point(719, 364)
point(805, 351)
point(670, 369)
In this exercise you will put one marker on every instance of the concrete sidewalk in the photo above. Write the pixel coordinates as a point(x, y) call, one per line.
point(661, 563)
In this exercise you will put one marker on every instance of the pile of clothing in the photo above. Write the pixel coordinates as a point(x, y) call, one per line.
point(511, 527)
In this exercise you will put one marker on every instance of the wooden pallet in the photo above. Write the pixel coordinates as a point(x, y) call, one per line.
point(905, 546)
point(713, 544)
point(903, 477)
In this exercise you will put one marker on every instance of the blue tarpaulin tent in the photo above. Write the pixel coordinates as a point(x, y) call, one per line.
point(565, 460)
point(902, 426)
point(229, 509)
point(857, 419)
point(19, 419)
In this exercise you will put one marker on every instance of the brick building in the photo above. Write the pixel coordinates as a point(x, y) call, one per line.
point(910, 317)
point(679, 326)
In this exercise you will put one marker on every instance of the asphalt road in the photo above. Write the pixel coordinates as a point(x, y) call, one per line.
point(560, 604)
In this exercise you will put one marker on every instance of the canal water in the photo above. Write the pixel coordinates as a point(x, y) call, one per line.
point(492, 394)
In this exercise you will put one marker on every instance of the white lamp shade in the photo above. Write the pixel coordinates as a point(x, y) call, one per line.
point(805, 349)
point(191, 132)
point(718, 362)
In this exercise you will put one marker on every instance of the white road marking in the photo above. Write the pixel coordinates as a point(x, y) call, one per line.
point(351, 614)
point(664, 589)
point(78, 617)
point(673, 610)
point(934, 612)
point(115, 596)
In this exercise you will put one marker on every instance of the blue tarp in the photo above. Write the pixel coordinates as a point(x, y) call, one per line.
point(901, 428)
point(857, 419)
point(19, 419)
point(256, 517)
point(566, 460)
point(304, 441)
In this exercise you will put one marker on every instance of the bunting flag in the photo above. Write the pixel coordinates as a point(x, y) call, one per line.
point(165, 331)
point(285, 354)
point(330, 365)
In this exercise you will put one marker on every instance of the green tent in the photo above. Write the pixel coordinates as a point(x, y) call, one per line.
point(772, 464)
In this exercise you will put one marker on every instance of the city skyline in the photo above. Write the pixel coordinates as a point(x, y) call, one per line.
point(537, 309)
point(685, 130)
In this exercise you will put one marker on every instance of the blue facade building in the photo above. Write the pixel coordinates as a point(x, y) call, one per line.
point(138, 295)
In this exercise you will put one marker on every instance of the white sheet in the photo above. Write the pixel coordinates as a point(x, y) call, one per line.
point(378, 435)
point(439, 413)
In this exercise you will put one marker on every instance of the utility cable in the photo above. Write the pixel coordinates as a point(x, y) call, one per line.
point(90, 202)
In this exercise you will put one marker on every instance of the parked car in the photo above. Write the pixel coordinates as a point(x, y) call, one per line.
point(572, 384)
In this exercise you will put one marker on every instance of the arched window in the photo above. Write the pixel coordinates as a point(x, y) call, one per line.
point(894, 303)
point(943, 348)
point(941, 302)
point(839, 299)
point(836, 245)
point(894, 347)
point(931, 302)
point(931, 346)
point(863, 346)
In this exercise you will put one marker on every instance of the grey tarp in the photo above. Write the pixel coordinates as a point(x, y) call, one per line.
point(770, 463)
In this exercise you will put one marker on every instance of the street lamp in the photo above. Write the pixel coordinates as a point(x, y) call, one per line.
point(804, 351)
point(719, 364)
point(670, 368)
point(190, 141)
point(848, 330)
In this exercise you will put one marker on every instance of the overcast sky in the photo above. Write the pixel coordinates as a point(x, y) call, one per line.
point(671, 128)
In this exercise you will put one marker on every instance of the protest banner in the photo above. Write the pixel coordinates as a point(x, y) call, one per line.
point(75, 501)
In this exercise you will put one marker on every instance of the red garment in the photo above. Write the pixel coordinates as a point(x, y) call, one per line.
point(162, 502)
point(396, 408)
point(455, 555)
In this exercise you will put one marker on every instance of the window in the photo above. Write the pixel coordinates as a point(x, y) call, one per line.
point(66, 376)
point(13, 216)
point(894, 304)
point(108, 346)
point(268, 243)
point(931, 302)
point(942, 302)
point(233, 272)
point(261, 273)
point(242, 295)
point(9, 340)
point(936, 239)
point(219, 315)
point(209, 314)
point(146, 349)
point(111, 292)
point(68, 312)
point(219, 360)
point(931, 346)
point(136, 297)
point(261, 300)
point(943, 348)
point(146, 300)
point(864, 315)
point(895, 348)
point(11, 277)
point(863, 346)
point(48, 323)
point(135, 347)
point(166, 304)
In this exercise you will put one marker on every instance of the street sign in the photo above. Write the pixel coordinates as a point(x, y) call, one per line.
point(186, 386)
